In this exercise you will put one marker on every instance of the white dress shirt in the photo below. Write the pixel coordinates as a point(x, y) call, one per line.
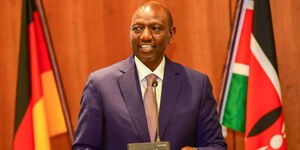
point(144, 71)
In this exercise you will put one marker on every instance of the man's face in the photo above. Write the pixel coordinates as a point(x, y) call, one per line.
point(150, 34)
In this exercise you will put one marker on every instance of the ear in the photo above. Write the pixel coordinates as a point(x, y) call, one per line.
point(172, 34)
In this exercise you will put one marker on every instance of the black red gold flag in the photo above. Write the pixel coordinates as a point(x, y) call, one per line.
point(39, 114)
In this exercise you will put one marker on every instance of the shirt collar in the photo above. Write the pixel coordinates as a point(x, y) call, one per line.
point(143, 70)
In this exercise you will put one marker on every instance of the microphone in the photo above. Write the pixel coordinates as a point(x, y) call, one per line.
point(157, 145)
point(155, 84)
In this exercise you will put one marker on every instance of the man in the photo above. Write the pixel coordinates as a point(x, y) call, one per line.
point(112, 108)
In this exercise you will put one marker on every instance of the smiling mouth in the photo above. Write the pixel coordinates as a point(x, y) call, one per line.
point(146, 48)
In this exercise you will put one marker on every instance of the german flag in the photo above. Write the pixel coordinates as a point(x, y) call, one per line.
point(39, 114)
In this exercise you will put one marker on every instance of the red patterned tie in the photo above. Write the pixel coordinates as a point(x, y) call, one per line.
point(150, 105)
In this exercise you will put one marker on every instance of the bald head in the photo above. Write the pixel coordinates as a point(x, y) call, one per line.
point(157, 6)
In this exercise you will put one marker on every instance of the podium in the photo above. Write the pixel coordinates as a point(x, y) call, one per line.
point(149, 146)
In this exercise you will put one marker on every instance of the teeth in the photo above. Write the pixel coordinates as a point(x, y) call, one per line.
point(146, 46)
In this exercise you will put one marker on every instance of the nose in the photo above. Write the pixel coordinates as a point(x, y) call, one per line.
point(146, 35)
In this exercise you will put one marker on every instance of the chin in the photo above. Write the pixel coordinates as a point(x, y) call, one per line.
point(145, 60)
point(144, 57)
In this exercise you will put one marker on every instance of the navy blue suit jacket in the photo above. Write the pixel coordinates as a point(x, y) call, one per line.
point(112, 112)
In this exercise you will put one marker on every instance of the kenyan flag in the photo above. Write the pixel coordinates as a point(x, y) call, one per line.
point(251, 97)
point(39, 114)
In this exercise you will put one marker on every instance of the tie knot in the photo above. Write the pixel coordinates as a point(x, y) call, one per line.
point(150, 78)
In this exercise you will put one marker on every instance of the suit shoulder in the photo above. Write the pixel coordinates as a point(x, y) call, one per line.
point(190, 74)
point(110, 72)
point(193, 73)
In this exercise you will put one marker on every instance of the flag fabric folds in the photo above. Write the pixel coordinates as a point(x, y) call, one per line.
point(251, 97)
point(39, 114)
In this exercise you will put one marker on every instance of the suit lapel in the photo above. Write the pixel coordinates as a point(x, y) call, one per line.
point(131, 92)
point(170, 90)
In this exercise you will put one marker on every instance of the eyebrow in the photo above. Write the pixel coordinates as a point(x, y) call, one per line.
point(139, 21)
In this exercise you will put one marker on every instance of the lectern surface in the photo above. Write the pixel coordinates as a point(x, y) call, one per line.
point(149, 146)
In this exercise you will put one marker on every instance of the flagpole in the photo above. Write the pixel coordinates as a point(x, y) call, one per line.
point(233, 35)
point(55, 70)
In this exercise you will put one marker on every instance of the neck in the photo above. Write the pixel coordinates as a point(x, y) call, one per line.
point(153, 65)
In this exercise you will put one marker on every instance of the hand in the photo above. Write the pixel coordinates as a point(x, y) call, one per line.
point(188, 148)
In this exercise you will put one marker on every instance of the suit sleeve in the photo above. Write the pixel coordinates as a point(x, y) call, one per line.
point(209, 131)
point(90, 121)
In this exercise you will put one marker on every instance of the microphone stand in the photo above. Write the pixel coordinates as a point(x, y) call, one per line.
point(158, 144)
point(155, 84)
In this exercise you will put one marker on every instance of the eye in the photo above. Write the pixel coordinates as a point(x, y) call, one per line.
point(137, 29)
point(156, 29)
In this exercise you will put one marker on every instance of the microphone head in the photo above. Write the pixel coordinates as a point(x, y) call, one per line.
point(155, 83)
